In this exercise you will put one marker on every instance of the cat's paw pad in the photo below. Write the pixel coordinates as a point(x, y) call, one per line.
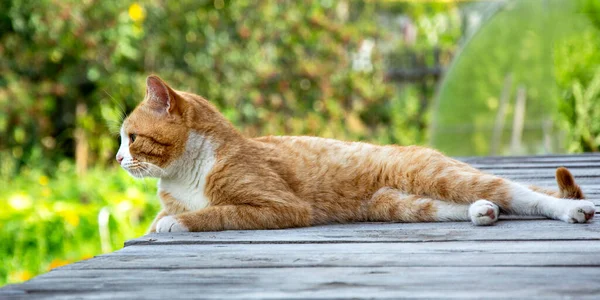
point(483, 212)
point(580, 212)
point(170, 224)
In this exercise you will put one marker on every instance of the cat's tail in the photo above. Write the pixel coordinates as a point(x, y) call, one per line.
point(566, 184)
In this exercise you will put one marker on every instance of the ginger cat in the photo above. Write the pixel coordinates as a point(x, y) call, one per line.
point(213, 178)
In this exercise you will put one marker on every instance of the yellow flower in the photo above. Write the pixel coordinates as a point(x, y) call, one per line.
point(87, 256)
point(19, 276)
point(71, 217)
point(136, 12)
point(43, 180)
point(58, 263)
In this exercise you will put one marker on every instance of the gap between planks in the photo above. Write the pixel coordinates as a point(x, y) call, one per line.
point(511, 230)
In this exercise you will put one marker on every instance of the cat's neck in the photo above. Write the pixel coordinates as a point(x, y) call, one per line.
point(186, 178)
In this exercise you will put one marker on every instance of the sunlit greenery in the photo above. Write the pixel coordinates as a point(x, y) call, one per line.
point(577, 70)
point(51, 220)
point(525, 46)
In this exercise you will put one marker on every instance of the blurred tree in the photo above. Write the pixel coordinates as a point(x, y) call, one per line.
point(53, 56)
point(272, 67)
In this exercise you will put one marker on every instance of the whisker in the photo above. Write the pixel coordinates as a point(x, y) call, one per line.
point(114, 127)
point(123, 114)
point(151, 168)
point(113, 122)
point(145, 169)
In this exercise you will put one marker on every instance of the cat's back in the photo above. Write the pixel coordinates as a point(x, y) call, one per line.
point(317, 148)
point(319, 156)
point(323, 154)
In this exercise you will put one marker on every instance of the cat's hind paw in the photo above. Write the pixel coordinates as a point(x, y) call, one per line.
point(170, 224)
point(483, 212)
point(580, 212)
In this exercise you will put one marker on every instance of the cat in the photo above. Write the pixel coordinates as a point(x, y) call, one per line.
point(212, 178)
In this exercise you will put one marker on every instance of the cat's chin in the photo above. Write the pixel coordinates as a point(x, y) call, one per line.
point(141, 174)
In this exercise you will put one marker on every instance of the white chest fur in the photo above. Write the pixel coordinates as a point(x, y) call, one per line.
point(189, 173)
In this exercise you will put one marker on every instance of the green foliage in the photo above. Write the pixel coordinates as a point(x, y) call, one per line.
point(51, 221)
point(577, 62)
point(54, 54)
point(273, 67)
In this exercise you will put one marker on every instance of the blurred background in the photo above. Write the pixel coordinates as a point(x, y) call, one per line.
point(467, 77)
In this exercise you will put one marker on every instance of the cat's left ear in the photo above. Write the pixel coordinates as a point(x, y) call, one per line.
point(160, 96)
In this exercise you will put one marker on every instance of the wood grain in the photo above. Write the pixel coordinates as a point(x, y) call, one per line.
point(513, 230)
point(436, 254)
point(321, 283)
point(519, 257)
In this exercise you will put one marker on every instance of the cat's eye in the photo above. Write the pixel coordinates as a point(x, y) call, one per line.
point(132, 137)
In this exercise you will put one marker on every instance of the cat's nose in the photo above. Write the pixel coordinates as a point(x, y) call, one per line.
point(119, 158)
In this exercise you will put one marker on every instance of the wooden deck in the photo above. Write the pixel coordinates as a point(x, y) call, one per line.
point(516, 258)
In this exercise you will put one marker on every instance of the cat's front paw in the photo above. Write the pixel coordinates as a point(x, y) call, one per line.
point(579, 211)
point(170, 224)
point(483, 212)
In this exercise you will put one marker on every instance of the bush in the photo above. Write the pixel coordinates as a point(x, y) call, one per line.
point(577, 70)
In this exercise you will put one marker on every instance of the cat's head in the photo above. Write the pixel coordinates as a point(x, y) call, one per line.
point(161, 133)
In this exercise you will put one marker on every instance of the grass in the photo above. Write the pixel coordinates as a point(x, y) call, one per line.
point(49, 220)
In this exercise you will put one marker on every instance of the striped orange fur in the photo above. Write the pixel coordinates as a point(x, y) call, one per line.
point(213, 178)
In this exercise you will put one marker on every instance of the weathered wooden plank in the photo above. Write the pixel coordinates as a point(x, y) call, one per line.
point(551, 182)
point(475, 254)
point(542, 174)
point(513, 230)
point(333, 282)
point(585, 157)
point(548, 181)
point(510, 247)
point(542, 159)
point(547, 167)
point(589, 177)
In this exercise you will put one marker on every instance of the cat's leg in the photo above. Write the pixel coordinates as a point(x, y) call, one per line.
point(516, 198)
point(563, 194)
point(391, 205)
point(521, 200)
point(524, 201)
point(463, 184)
point(237, 217)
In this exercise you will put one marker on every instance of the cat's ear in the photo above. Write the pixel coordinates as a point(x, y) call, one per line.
point(161, 98)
